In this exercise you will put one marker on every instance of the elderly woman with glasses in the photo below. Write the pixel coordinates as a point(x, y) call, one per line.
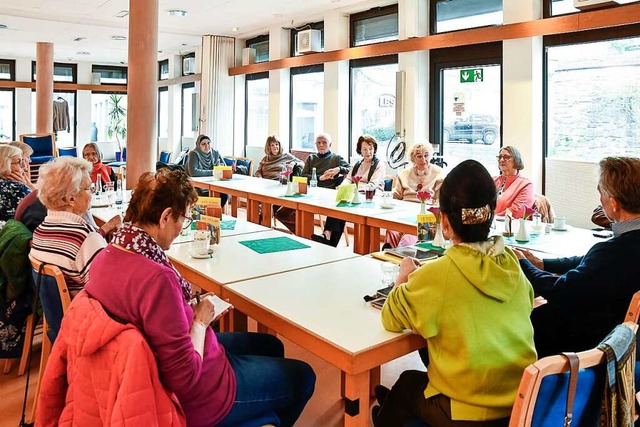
point(202, 159)
point(65, 238)
point(515, 192)
point(14, 185)
point(224, 379)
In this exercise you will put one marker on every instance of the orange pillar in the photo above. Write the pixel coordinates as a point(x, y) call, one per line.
point(44, 87)
point(142, 89)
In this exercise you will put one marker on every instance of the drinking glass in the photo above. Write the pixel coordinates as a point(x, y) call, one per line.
point(369, 193)
point(389, 273)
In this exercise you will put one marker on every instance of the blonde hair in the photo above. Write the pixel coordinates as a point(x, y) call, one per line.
point(6, 153)
point(25, 148)
point(60, 180)
point(270, 139)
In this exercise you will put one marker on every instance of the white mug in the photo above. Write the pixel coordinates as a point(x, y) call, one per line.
point(560, 223)
point(387, 198)
point(201, 242)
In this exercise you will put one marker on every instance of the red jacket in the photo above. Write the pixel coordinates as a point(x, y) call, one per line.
point(101, 372)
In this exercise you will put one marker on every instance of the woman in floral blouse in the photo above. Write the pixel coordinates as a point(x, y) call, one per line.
point(14, 185)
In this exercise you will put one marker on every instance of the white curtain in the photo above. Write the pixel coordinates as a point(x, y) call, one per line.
point(217, 92)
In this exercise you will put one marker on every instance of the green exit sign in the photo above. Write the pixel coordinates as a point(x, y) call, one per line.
point(471, 75)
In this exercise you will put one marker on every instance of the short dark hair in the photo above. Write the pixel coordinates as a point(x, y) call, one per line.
point(157, 191)
point(468, 185)
point(620, 179)
point(517, 157)
point(369, 140)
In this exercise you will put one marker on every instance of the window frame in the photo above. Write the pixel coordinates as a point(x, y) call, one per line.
point(13, 121)
point(101, 68)
point(317, 68)
point(476, 55)
point(248, 78)
point(258, 39)
point(160, 64)
point(12, 69)
point(73, 67)
point(182, 103)
point(433, 20)
point(367, 14)
point(160, 90)
point(360, 63)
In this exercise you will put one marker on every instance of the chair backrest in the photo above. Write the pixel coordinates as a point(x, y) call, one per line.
point(241, 161)
point(124, 154)
point(54, 295)
point(70, 152)
point(543, 206)
point(165, 156)
point(43, 144)
point(301, 155)
point(542, 395)
point(633, 312)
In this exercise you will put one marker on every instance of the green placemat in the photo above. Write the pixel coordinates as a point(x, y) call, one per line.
point(273, 244)
point(430, 247)
point(295, 196)
point(512, 240)
point(356, 205)
point(228, 224)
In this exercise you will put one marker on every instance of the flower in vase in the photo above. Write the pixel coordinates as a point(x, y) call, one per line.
point(286, 173)
point(356, 179)
point(528, 213)
point(423, 195)
point(436, 212)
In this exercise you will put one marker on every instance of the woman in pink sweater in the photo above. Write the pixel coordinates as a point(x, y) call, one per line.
point(515, 192)
point(228, 379)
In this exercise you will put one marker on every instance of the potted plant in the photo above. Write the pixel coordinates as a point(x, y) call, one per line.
point(117, 121)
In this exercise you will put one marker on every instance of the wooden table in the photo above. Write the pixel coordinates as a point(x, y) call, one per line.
point(403, 217)
point(322, 309)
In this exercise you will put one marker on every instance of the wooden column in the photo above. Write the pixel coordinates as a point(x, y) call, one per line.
point(44, 87)
point(142, 91)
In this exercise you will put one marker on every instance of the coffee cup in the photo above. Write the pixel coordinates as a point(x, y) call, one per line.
point(201, 242)
point(387, 199)
point(560, 223)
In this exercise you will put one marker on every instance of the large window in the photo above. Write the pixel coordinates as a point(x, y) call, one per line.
point(163, 112)
point(307, 106)
point(373, 100)
point(64, 73)
point(461, 15)
point(7, 101)
point(593, 98)
point(163, 69)
point(261, 45)
point(64, 103)
point(377, 25)
point(110, 74)
point(257, 109)
point(467, 108)
point(189, 110)
point(109, 117)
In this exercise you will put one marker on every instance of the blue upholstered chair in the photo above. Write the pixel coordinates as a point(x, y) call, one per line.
point(121, 162)
point(70, 152)
point(165, 156)
point(44, 149)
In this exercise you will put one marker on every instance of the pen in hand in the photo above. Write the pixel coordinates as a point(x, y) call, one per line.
point(198, 297)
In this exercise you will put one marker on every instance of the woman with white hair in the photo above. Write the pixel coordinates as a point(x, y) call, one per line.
point(13, 183)
point(65, 238)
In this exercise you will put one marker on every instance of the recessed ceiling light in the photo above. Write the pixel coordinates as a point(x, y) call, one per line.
point(177, 12)
point(79, 39)
point(3, 27)
point(234, 29)
point(83, 52)
point(118, 38)
point(278, 15)
point(122, 14)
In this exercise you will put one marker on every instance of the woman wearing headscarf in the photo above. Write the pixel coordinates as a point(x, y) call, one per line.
point(202, 159)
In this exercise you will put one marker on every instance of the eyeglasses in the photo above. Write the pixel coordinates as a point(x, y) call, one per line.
point(504, 157)
point(186, 222)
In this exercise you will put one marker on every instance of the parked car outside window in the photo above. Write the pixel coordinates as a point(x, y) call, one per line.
point(473, 128)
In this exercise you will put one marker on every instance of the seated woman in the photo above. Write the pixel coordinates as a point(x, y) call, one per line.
point(202, 159)
point(226, 379)
point(515, 192)
point(27, 152)
point(275, 160)
point(371, 170)
point(65, 238)
point(14, 184)
point(421, 176)
point(91, 153)
point(460, 303)
point(588, 295)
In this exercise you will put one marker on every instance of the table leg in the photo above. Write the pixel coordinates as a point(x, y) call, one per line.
point(237, 322)
point(267, 209)
point(304, 224)
point(253, 211)
point(234, 206)
point(374, 380)
point(374, 239)
point(361, 239)
point(356, 400)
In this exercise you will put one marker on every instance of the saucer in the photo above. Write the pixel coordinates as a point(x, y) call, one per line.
point(565, 228)
point(391, 206)
point(197, 256)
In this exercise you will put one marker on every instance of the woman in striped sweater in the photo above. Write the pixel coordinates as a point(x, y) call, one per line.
point(65, 239)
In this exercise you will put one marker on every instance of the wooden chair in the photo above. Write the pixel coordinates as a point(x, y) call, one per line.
point(44, 149)
point(542, 394)
point(633, 312)
point(55, 299)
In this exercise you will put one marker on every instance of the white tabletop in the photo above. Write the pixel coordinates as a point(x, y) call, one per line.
point(574, 241)
point(325, 300)
point(233, 261)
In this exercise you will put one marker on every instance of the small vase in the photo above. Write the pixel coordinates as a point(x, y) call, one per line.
point(439, 240)
point(523, 235)
point(356, 197)
point(423, 208)
point(289, 189)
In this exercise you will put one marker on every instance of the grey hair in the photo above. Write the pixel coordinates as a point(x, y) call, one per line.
point(60, 180)
point(326, 136)
point(416, 147)
point(6, 153)
point(517, 157)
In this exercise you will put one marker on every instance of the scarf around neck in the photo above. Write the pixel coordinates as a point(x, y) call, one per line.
point(136, 240)
point(102, 170)
point(205, 159)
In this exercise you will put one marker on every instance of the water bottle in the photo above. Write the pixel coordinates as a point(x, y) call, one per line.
point(313, 182)
point(119, 193)
point(99, 184)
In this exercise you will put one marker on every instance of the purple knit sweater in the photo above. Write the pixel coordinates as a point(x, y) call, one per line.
point(148, 295)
